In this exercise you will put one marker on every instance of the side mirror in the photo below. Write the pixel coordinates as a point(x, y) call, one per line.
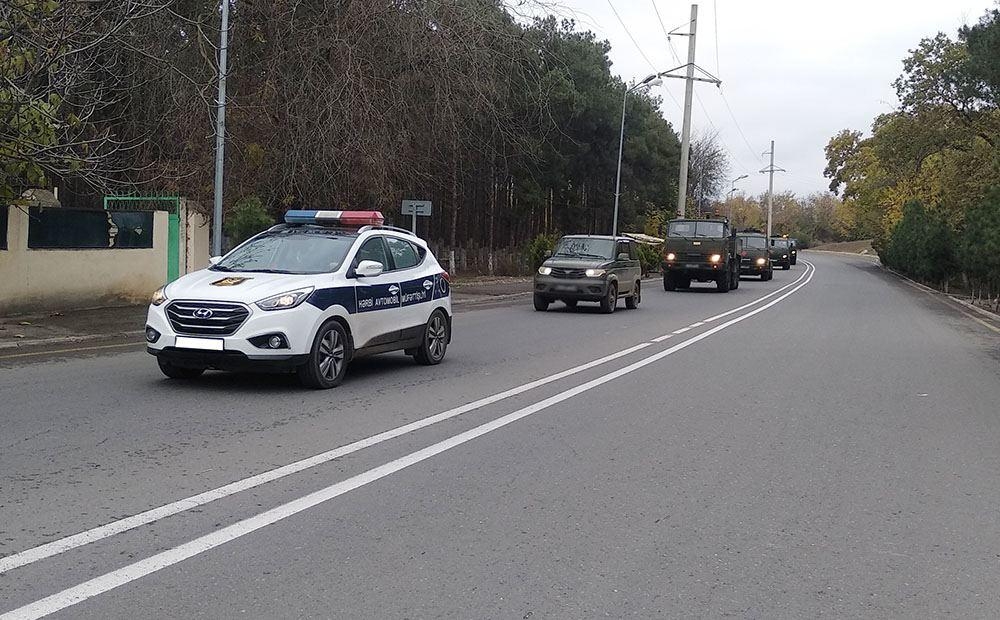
point(369, 269)
point(623, 256)
point(214, 260)
point(548, 253)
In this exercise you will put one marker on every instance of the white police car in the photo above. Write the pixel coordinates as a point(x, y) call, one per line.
point(308, 295)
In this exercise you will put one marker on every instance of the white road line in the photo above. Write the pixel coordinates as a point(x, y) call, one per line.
point(137, 570)
point(62, 545)
point(681, 330)
point(662, 338)
point(758, 300)
point(693, 325)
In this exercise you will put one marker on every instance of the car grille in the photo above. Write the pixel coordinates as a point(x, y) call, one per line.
point(694, 257)
point(745, 262)
point(206, 318)
point(558, 272)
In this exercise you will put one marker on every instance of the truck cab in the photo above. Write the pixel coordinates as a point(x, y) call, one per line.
point(702, 250)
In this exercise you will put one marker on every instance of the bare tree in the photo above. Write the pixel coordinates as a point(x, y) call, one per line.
point(708, 171)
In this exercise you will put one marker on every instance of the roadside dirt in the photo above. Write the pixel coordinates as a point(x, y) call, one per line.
point(849, 247)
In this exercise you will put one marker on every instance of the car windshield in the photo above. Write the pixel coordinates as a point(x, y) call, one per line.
point(291, 250)
point(779, 243)
point(696, 229)
point(753, 242)
point(584, 247)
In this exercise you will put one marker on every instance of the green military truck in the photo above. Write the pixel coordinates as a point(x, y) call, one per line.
point(700, 250)
point(754, 257)
point(781, 253)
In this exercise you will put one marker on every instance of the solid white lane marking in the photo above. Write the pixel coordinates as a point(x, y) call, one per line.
point(693, 325)
point(137, 570)
point(682, 330)
point(759, 299)
point(101, 532)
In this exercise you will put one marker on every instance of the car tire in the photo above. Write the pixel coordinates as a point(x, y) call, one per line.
point(669, 282)
point(610, 301)
point(328, 358)
point(178, 372)
point(435, 342)
point(633, 300)
point(570, 303)
point(541, 303)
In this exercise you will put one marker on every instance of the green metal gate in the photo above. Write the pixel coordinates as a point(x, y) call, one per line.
point(135, 203)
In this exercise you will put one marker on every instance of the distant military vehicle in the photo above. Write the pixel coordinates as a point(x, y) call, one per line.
point(754, 257)
point(781, 253)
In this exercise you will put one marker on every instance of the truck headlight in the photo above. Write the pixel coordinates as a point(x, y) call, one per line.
point(671, 256)
point(761, 261)
point(285, 300)
point(784, 256)
point(595, 273)
point(715, 258)
point(544, 271)
point(159, 296)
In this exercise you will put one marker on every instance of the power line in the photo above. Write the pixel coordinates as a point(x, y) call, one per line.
point(638, 48)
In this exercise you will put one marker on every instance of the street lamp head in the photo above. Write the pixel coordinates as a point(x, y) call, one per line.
point(649, 79)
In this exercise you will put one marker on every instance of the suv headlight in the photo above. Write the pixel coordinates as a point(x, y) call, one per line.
point(285, 300)
point(544, 271)
point(595, 273)
point(715, 258)
point(159, 296)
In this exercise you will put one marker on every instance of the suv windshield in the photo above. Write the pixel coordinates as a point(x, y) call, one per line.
point(584, 247)
point(697, 229)
point(753, 242)
point(291, 250)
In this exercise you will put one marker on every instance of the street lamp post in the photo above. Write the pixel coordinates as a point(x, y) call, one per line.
point(651, 80)
point(729, 197)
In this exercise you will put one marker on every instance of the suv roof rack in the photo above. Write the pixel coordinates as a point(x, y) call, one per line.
point(387, 227)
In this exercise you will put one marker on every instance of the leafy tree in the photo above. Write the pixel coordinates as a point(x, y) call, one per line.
point(247, 218)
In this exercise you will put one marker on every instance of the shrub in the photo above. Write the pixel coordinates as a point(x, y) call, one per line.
point(534, 252)
point(247, 218)
point(649, 257)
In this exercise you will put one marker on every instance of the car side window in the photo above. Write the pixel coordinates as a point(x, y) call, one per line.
point(633, 251)
point(373, 249)
point(404, 254)
point(621, 248)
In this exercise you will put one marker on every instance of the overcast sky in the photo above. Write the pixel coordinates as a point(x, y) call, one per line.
point(796, 72)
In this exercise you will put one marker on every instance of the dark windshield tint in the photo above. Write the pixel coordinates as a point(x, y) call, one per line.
point(292, 250)
point(583, 247)
point(753, 242)
point(696, 229)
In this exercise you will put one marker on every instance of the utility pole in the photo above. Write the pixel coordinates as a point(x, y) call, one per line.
point(220, 132)
point(690, 79)
point(770, 170)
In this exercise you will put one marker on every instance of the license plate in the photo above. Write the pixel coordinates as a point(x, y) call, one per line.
point(691, 266)
point(564, 287)
point(204, 344)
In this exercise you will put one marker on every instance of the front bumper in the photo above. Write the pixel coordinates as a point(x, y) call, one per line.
point(233, 361)
point(297, 326)
point(698, 271)
point(584, 289)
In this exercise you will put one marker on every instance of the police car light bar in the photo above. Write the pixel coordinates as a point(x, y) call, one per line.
point(341, 218)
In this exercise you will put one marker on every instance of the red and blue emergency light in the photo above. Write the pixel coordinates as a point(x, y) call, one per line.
point(347, 219)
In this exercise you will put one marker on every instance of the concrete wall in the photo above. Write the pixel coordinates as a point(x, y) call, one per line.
point(198, 236)
point(36, 280)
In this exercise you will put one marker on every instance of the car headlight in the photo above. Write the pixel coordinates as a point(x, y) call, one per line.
point(544, 271)
point(159, 296)
point(761, 261)
point(784, 256)
point(285, 300)
point(715, 258)
point(595, 273)
point(671, 256)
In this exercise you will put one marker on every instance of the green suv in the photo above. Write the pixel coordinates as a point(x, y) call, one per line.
point(702, 250)
point(754, 258)
point(590, 268)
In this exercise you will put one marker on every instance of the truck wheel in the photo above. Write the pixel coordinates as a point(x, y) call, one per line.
point(632, 302)
point(723, 281)
point(610, 301)
point(541, 303)
point(570, 303)
point(786, 266)
point(669, 282)
point(736, 280)
point(684, 283)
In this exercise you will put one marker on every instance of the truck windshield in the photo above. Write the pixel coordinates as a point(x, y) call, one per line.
point(779, 243)
point(696, 229)
point(753, 242)
point(292, 250)
point(584, 247)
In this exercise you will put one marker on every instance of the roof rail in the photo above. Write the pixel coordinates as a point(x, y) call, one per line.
point(387, 227)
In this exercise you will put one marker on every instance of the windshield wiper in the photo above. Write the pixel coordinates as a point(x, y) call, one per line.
point(593, 255)
point(268, 271)
point(219, 268)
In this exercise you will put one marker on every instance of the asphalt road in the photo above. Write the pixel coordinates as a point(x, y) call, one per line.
point(827, 443)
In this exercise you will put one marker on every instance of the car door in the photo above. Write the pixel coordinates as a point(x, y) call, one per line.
point(636, 265)
point(377, 321)
point(622, 268)
point(416, 284)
